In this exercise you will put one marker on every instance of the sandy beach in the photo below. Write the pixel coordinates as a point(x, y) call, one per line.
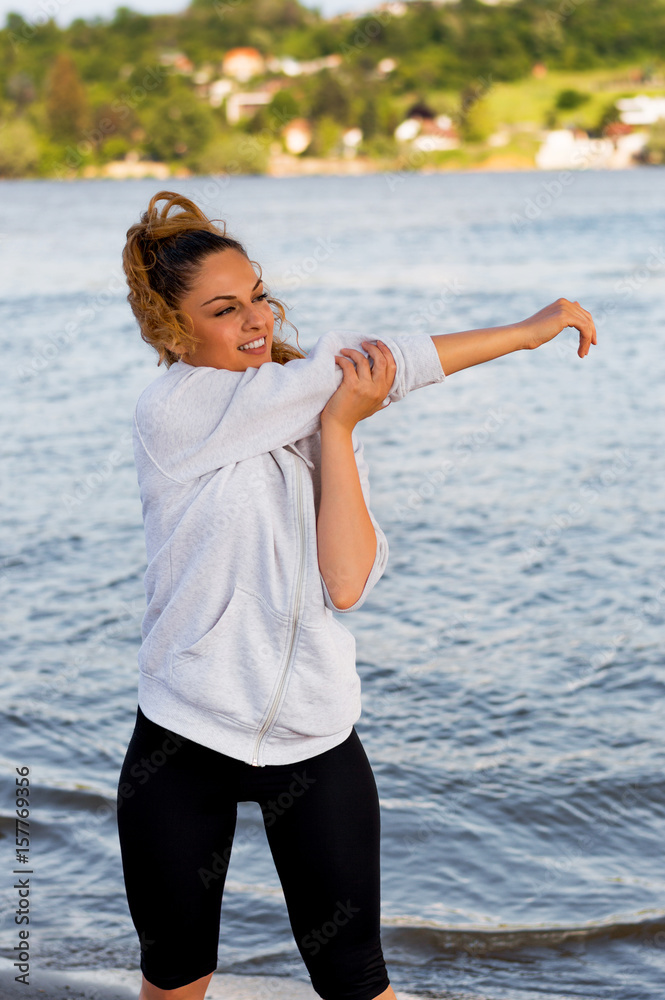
point(123, 984)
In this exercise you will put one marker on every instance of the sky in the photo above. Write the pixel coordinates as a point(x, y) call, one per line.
point(64, 11)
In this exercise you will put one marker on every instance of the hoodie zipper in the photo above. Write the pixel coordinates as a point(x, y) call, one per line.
point(296, 617)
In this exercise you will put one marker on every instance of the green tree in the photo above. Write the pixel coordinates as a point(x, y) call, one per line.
point(369, 119)
point(330, 99)
point(66, 104)
point(327, 138)
point(232, 153)
point(569, 99)
point(177, 126)
point(654, 151)
point(608, 116)
point(282, 109)
point(477, 123)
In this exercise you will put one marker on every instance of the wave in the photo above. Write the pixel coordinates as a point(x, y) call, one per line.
point(427, 940)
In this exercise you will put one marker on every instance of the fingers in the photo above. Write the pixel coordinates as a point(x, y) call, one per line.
point(386, 353)
point(361, 362)
point(348, 369)
point(383, 361)
point(583, 322)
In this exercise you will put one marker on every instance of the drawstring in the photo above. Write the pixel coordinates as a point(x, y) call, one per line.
point(293, 448)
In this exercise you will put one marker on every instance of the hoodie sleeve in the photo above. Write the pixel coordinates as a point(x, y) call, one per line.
point(194, 422)
point(382, 551)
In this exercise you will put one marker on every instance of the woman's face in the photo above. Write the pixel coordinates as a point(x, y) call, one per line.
point(228, 308)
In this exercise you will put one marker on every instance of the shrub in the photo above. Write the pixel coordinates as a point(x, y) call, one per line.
point(19, 150)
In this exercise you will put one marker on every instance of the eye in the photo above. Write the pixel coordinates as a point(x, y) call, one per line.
point(263, 295)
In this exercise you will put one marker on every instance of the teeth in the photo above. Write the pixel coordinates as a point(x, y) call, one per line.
point(253, 344)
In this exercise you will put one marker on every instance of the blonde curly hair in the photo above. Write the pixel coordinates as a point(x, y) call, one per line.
point(161, 258)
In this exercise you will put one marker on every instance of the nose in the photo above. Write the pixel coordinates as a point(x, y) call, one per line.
point(255, 318)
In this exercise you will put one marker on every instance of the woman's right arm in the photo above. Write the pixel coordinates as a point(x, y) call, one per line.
point(473, 347)
point(209, 418)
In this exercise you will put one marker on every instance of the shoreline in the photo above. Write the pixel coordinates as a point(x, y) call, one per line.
point(124, 984)
point(327, 168)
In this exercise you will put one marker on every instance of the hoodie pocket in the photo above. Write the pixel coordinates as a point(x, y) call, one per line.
point(323, 693)
point(235, 667)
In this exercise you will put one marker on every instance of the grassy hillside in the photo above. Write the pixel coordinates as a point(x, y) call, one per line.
point(78, 97)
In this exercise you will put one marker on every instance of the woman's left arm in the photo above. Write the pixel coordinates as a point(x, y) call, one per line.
point(473, 347)
point(345, 534)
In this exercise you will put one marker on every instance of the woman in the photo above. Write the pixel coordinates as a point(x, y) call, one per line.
point(255, 499)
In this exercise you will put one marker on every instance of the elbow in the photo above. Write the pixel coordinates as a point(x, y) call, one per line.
point(342, 597)
point(342, 594)
point(344, 601)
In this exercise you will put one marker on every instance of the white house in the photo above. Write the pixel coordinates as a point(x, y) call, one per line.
point(564, 150)
point(641, 110)
point(239, 105)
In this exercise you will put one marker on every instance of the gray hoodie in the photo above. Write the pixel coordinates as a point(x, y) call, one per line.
point(241, 651)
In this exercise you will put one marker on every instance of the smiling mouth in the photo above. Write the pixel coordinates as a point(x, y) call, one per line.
point(253, 344)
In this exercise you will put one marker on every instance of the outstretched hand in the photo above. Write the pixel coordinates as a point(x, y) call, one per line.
point(550, 321)
point(362, 389)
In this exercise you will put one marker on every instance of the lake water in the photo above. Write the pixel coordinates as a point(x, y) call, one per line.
point(511, 657)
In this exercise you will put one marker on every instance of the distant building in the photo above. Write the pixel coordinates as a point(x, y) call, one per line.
point(243, 63)
point(217, 91)
point(295, 67)
point(297, 135)
point(241, 105)
point(420, 110)
point(564, 149)
point(351, 139)
point(284, 64)
point(407, 130)
point(427, 131)
point(394, 7)
point(386, 65)
point(641, 110)
point(178, 62)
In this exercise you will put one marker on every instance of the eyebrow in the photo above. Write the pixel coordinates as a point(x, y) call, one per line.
point(227, 296)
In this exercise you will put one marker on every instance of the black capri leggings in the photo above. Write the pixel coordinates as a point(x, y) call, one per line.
point(177, 807)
